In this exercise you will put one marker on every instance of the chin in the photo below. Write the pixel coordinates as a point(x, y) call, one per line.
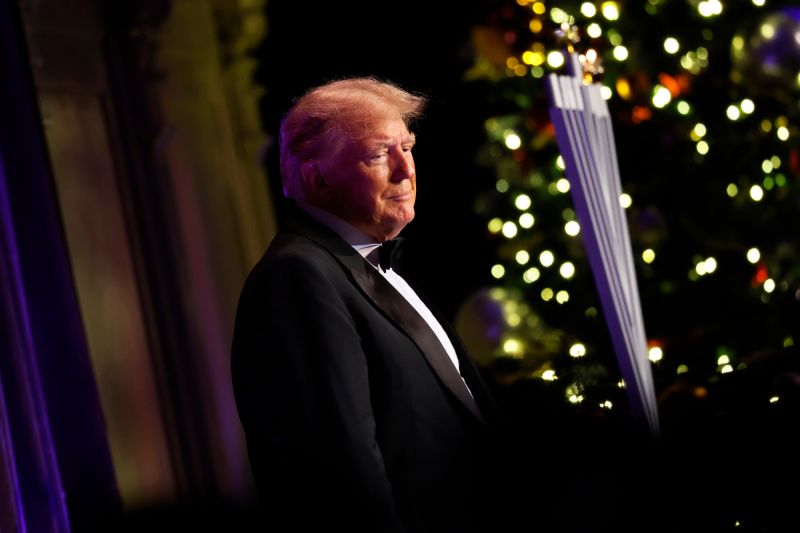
point(395, 226)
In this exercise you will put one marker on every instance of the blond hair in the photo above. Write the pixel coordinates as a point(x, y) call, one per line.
point(342, 108)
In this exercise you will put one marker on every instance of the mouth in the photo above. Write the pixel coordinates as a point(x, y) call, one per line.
point(402, 197)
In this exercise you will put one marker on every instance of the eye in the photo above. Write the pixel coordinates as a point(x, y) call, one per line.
point(377, 156)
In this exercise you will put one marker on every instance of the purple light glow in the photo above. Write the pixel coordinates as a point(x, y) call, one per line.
point(32, 399)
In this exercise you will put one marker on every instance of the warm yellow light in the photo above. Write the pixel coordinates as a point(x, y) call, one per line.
point(748, 106)
point(620, 53)
point(610, 10)
point(684, 108)
point(572, 228)
point(606, 92)
point(498, 271)
point(702, 148)
point(594, 30)
point(513, 347)
point(699, 131)
point(588, 10)
point(759, 3)
point(709, 8)
point(531, 275)
point(688, 62)
point(661, 96)
point(756, 193)
point(766, 166)
point(562, 185)
point(538, 8)
point(522, 201)
point(555, 59)
point(753, 255)
point(726, 369)
point(606, 404)
point(776, 162)
point(648, 256)
point(774, 399)
point(526, 220)
point(501, 185)
point(509, 230)
point(733, 112)
point(625, 200)
point(567, 270)
point(682, 369)
point(723, 359)
point(700, 268)
point(623, 88)
point(710, 265)
point(655, 354)
point(547, 294)
point(546, 258)
point(558, 15)
point(522, 257)
point(783, 133)
point(577, 350)
point(621, 384)
point(767, 30)
point(737, 42)
point(536, 25)
point(495, 225)
point(549, 375)
point(769, 285)
point(512, 140)
point(560, 165)
point(536, 59)
point(562, 297)
point(514, 319)
point(671, 45)
point(527, 57)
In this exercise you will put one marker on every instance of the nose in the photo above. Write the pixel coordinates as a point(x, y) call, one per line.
point(404, 165)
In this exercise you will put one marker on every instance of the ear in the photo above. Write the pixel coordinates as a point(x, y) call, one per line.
point(313, 181)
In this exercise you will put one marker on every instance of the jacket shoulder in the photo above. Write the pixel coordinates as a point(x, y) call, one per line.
point(293, 254)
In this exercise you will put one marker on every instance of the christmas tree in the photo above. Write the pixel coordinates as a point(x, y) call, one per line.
point(704, 98)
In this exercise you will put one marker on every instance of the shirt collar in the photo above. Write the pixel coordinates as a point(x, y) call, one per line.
point(360, 242)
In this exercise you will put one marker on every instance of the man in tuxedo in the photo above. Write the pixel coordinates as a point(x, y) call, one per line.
point(362, 410)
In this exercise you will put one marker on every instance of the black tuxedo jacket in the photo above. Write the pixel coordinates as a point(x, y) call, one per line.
point(354, 415)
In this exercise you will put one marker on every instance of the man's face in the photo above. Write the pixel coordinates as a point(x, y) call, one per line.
point(370, 181)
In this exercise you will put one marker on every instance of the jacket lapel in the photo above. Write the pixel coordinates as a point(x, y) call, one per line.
point(391, 303)
point(387, 299)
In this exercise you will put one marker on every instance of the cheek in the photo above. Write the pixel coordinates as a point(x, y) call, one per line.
point(364, 198)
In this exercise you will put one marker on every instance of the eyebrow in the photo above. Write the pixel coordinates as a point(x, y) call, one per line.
point(387, 141)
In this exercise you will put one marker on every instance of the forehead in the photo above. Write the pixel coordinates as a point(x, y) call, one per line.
point(380, 129)
point(366, 128)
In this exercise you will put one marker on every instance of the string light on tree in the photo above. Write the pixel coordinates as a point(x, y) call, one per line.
point(689, 160)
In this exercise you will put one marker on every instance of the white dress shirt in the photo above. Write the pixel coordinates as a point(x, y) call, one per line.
point(366, 246)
